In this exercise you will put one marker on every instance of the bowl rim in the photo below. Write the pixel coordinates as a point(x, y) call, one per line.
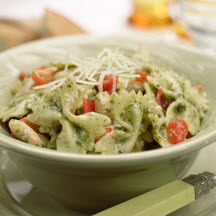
point(122, 160)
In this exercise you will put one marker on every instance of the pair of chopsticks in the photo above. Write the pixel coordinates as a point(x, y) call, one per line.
point(166, 199)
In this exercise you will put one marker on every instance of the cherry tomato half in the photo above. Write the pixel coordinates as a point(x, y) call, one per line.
point(108, 129)
point(89, 105)
point(199, 87)
point(42, 75)
point(162, 100)
point(22, 76)
point(108, 83)
point(143, 76)
point(38, 79)
point(177, 131)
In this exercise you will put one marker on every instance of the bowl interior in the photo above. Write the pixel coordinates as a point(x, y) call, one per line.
point(198, 67)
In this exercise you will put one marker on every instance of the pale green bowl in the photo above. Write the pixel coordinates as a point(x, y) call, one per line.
point(94, 182)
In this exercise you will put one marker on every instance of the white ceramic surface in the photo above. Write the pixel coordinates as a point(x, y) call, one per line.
point(45, 206)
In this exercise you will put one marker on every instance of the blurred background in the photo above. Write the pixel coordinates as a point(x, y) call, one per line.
point(186, 21)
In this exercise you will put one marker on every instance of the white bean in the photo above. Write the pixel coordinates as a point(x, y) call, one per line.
point(23, 132)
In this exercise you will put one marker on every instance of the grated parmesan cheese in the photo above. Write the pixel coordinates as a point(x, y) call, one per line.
point(92, 70)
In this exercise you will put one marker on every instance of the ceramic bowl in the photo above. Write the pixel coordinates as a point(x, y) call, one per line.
point(94, 182)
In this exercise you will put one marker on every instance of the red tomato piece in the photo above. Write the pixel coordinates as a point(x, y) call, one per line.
point(199, 87)
point(38, 79)
point(89, 105)
point(45, 71)
point(13, 136)
point(98, 138)
point(35, 127)
point(108, 129)
point(189, 136)
point(22, 76)
point(42, 75)
point(42, 67)
point(177, 131)
point(143, 76)
point(162, 100)
point(108, 83)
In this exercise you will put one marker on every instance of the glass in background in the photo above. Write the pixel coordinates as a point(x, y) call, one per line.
point(150, 13)
point(154, 14)
point(200, 18)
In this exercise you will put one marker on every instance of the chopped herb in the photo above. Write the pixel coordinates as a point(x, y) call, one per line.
point(118, 126)
point(84, 137)
point(108, 109)
point(79, 142)
point(180, 108)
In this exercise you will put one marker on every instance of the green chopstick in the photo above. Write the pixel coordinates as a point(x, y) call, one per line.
point(166, 199)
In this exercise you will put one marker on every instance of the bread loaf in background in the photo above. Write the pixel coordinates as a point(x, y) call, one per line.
point(55, 24)
point(52, 24)
point(13, 33)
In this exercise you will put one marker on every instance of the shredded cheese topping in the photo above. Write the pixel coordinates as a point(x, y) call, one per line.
point(93, 70)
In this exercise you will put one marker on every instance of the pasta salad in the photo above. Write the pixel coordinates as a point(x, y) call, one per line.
point(111, 103)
